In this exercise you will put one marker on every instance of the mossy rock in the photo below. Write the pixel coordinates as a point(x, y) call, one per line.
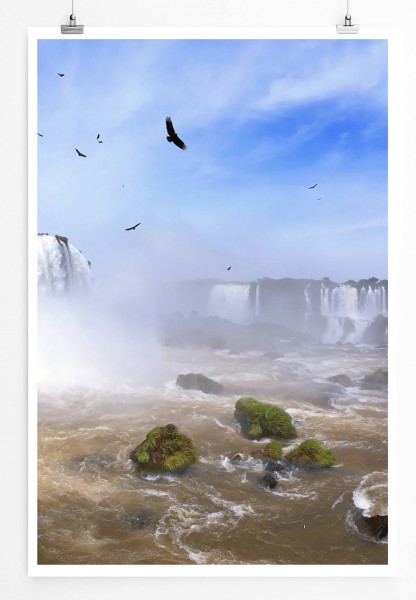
point(164, 449)
point(197, 381)
point(273, 450)
point(261, 419)
point(310, 453)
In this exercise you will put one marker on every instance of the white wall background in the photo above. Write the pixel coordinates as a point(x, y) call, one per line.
point(16, 17)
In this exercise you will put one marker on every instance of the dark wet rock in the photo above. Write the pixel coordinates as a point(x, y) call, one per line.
point(376, 332)
point(138, 520)
point(196, 381)
point(262, 419)
point(342, 379)
point(236, 458)
point(268, 481)
point(273, 355)
point(378, 525)
point(164, 449)
point(375, 381)
point(274, 466)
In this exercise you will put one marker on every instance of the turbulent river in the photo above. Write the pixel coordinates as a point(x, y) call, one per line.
point(94, 508)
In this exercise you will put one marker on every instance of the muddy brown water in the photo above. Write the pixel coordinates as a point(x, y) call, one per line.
point(94, 508)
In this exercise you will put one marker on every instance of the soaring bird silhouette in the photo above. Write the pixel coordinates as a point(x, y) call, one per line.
point(173, 136)
point(40, 135)
point(312, 186)
point(133, 228)
point(80, 153)
point(61, 74)
point(98, 139)
point(228, 268)
point(319, 198)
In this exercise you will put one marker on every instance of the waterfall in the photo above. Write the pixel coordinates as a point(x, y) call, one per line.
point(230, 301)
point(62, 268)
point(325, 302)
point(374, 302)
point(258, 307)
point(308, 303)
point(346, 303)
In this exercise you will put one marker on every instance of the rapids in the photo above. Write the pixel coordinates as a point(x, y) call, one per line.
point(94, 508)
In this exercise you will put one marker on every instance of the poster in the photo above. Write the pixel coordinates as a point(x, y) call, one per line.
point(209, 304)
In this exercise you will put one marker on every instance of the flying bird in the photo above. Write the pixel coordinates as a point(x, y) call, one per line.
point(40, 135)
point(173, 136)
point(319, 198)
point(228, 268)
point(133, 228)
point(312, 186)
point(61, 74)
point(80, 153)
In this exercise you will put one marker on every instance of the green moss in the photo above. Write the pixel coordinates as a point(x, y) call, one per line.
point(255, 432)
point(311, 453)
point(141, 455)
point(164, 449)
point(261, 419)
point(273, 450)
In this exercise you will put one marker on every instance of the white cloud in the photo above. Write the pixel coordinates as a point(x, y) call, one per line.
point(345, 75)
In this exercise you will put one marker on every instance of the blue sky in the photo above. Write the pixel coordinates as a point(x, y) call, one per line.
point(263, 120)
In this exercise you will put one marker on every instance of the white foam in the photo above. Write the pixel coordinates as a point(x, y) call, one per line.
point(154, 493)
point(338, 500)
point(371, 495)
point(226, 427)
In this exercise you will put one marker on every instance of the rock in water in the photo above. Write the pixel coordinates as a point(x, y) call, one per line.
point(164, 449)
point(310, 453)
point(236, 458)
point(273, 450)
point(196, 381)
point(375, 381)
point(342, 380)
point(273, 466)
point(261, 419)
point(378, 525)
point(268, 481)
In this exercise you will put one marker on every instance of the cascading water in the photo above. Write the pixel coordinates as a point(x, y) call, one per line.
point(349, 311)
point(373, 302)
point(230, 301)
point(62, 268)
point(258, 306)
point(308, 303)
